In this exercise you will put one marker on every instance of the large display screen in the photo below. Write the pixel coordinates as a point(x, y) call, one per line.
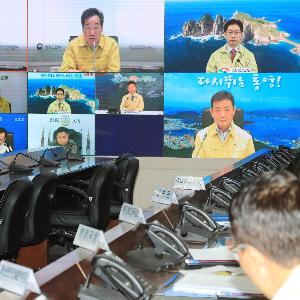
point(196, 78)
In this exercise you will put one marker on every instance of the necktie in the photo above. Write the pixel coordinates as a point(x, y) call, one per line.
point(232, 54)
point(132, 97)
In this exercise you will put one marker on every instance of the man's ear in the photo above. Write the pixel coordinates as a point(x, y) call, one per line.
point(234, 110)
point(211, 112)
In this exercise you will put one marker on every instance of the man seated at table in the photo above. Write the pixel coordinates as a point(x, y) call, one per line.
point(92, 51)
point(233, 54)
point(62, 138)
point(4, 146)
point(223, 139)
point(265, 222)
point(132, 102)
point(59, 105)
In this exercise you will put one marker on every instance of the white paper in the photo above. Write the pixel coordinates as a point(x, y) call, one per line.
point(215, 281)
point(90, 238)
point(132, 214)
point(189, 183)
point(219, 253)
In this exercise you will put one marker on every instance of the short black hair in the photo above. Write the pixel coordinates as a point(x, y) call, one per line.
point(60, 89)
point(3, 130)
point(60, 129)
point(131, 82)
point(90, 12)
point(265, 214)
point(221, 95)
point(233, 22)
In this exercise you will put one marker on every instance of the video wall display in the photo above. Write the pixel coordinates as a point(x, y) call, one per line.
point(175, 78)
point(266, 109)
point(74, 132)
point(130, 93)
point(134, 36)
point(13, 32)
point(195, 39)
point(62, 93)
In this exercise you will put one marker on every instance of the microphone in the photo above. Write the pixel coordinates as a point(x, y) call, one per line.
point(204, 137)
point(238, 60)
point(94, 56)
point(16, 168)
point(47, 162)
point(74, 157)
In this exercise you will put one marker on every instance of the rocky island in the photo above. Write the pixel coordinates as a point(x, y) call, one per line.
point(256, 30)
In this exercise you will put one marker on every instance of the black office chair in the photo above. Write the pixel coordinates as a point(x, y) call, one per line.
point(38, 217)
point(89, 207)
point(72, 37)
point(13, 207)
point(127, 170)
point(238, 118)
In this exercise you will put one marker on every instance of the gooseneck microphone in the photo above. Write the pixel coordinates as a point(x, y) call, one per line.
point(47, 162)
point(94, 56)
point(204, 137)
point(239, 61)
point(74, 157)
point(17, 168)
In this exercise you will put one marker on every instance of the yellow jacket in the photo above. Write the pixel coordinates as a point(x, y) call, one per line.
point(4, 105)
point(80, 56)
point(54, 108)
point(135, 104)
point(221, 59)
point(238, 143)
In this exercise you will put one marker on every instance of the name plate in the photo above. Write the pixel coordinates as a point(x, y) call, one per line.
point(17, 279)
point(235, 70)
point(131, 214)
point(90, 238)
point(189, 183)
point(164, 196)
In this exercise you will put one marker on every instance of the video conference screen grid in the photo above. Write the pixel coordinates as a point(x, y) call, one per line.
point(145, 84)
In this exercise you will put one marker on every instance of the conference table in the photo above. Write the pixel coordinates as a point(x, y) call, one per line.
point(62, 278)
point(67, 168)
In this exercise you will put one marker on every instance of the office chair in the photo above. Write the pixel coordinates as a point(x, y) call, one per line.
point(38, 217)
point(127, 170)
point(238, 118)
point(90, 206)
point(13, 207)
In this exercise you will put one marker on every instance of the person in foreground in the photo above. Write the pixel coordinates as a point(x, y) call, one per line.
point(92, 51)
point(265, 224)
point(233, 54)
point(223, 139)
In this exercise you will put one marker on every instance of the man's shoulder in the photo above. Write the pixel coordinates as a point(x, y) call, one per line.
point(107, 40)
point(78, 41)
point(204, 132)
point(219, 51)
point(245, 51)
point(241, 132)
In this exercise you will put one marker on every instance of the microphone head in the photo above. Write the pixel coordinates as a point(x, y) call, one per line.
point(48, 163)
point(75, 157)
point(17, 168)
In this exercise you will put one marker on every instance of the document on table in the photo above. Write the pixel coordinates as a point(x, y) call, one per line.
point(213, 281)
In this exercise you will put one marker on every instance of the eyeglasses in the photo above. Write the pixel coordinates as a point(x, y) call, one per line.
point(233, 32)
point(91, 28)
point(235, 248)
